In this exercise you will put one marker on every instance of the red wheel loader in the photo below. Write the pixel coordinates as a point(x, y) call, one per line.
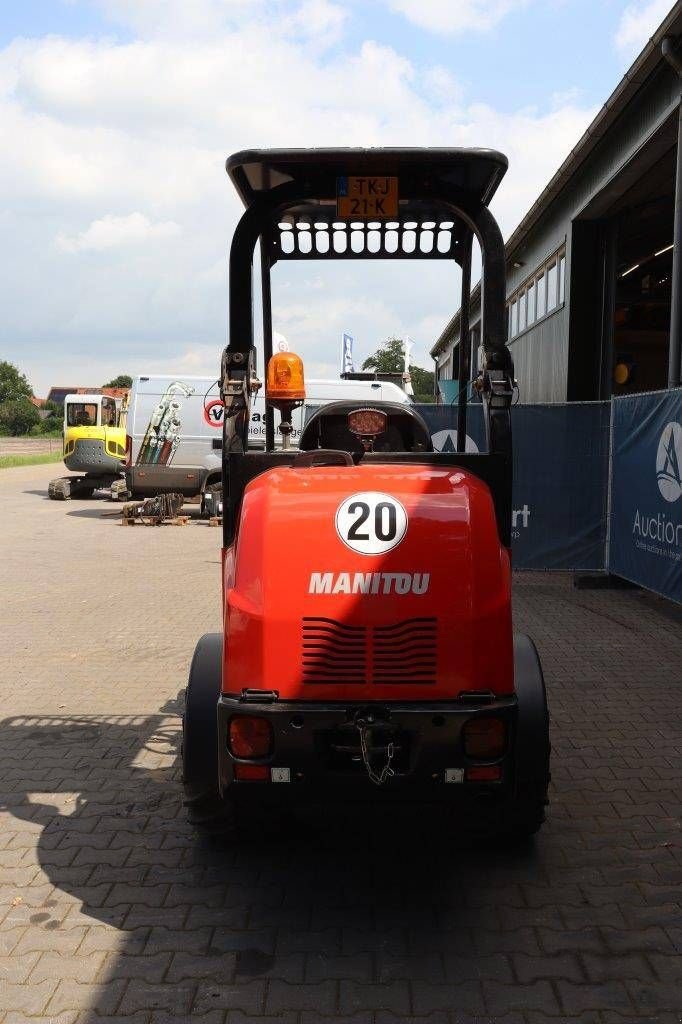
point(367, 652)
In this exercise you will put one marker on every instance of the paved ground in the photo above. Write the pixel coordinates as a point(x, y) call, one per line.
point(110, 908)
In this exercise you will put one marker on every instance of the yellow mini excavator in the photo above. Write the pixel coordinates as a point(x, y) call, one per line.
point(94, 446)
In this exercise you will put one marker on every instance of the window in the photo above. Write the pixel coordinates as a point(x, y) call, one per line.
point(539, 295)
point(541, 299)
point(108, 412)
point(551, 287)
point(530, 303)
point(80, 414)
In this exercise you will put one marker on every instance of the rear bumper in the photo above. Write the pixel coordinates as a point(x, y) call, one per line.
point(319, 744)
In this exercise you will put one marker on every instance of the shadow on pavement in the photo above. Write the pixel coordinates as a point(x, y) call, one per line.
point(332, 916)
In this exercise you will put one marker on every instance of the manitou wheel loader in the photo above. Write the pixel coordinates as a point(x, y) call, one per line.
point(367, 653)
point(94, 446)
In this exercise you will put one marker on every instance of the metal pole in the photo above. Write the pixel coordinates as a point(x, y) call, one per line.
point(675, 350)
point(267, 341)
point(464, 343)
point(609, 283)
point(670, 51)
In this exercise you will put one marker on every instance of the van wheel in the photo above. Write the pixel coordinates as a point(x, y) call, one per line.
point(526, 812)
point(206, 809)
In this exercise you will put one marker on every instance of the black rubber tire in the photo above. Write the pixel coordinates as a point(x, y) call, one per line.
point(206, 810)
point(526, 812)
point(216, 488)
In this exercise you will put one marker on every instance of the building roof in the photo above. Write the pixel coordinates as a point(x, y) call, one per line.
point(649, 58)
point(63, 391)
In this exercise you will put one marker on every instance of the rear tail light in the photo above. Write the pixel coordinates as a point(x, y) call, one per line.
point(129, 451)
point(250, 737)
point(483, 773)
point(485, 738)
point(251, 773)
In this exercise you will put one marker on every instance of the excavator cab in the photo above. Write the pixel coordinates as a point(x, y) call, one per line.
point(367, 652)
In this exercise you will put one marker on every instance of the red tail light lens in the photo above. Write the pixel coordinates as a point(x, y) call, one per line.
point(483, 773)
point(485, 738)
point(252, 773)
point(250, 737)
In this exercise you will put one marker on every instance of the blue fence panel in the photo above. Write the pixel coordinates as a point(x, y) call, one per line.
point(561, 455)
point(645, 541)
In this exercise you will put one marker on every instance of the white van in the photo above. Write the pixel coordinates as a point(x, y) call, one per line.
point(175, 422)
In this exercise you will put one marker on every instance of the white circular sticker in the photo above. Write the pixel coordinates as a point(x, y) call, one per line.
point(371, 523)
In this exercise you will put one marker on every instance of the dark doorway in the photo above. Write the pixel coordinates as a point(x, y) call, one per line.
point(621, 270)
point(641, 334)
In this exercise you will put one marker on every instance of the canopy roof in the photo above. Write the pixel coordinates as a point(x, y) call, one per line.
point(474, 172)
point(424, 226)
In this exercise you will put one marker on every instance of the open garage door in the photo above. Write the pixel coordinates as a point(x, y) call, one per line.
point(621, 278)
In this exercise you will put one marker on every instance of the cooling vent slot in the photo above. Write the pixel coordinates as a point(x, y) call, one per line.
point(334, 652)
point(405, 652)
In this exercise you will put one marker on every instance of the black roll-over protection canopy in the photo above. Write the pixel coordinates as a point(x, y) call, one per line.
point(382, 203)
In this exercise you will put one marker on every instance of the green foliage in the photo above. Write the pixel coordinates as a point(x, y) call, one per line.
point(51, 425)
point(54, 422)
point(422, 384)
point(13, 384)
point(19, 416)
point(122, 381)
point(390, 358)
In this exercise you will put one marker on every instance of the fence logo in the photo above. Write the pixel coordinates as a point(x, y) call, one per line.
point(669, 461)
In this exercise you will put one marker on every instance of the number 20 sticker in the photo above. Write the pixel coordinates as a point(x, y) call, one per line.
point(371, 523)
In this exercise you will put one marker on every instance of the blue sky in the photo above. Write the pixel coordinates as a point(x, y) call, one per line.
point(121, 112)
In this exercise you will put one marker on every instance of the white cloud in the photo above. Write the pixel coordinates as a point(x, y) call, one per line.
point(638, 23)
point(455, 16)
point(98, 128)
point(110, 232)
point(185, 18)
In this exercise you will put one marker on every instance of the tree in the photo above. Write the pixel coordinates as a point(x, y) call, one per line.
point(13, 383)
point(390, 358)
point(19, 416)
point(122, 381)
point(422, 384)
point(54, 421)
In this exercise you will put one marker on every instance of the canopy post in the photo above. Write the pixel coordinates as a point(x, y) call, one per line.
point(463, 372)
point(266, 296)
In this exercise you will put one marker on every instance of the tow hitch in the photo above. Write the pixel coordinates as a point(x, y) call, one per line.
point(365, 721)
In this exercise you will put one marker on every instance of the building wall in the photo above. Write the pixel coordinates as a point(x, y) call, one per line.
point(541, 353)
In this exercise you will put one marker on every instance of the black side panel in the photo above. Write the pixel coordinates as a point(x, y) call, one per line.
point(493, 470)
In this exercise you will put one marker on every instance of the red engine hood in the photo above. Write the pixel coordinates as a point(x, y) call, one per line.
point(314, 619)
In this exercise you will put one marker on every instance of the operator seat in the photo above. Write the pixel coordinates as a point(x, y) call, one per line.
point(327, 428)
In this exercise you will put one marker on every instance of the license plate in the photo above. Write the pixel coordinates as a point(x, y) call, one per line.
point(366, 198)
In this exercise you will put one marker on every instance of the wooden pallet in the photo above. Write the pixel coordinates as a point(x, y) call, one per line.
point(215, 521)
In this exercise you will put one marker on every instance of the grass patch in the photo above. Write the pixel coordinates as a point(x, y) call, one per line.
point(10, 461)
